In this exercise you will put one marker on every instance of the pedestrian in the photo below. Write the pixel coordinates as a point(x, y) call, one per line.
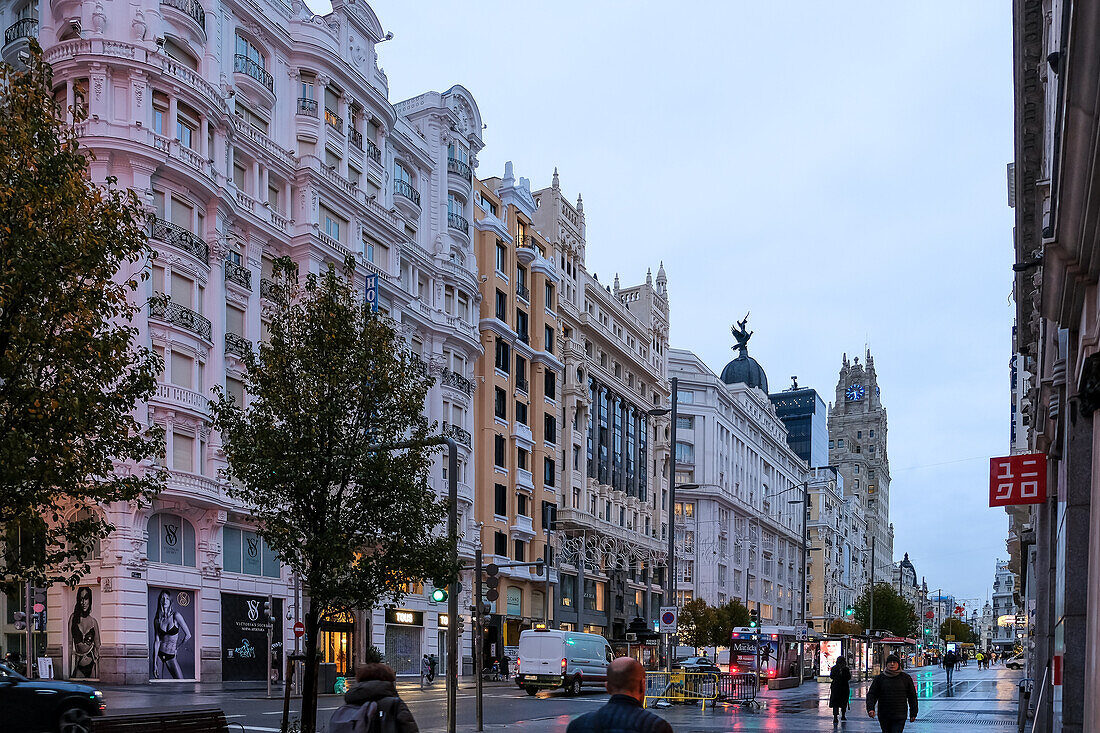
point(894, 694)
point(949, 662)
point(840, 694)
point(504, 662)
point(978, 656)
point(372, 704)
point(425, 671)
point(623, 713)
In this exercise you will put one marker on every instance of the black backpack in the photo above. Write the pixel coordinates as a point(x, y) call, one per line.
point(371, 717)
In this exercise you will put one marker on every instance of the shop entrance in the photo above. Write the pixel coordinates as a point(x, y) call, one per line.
point(403, 649)
point(337, 645)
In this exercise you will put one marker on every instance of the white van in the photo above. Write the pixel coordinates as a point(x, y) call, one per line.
point(549, 658)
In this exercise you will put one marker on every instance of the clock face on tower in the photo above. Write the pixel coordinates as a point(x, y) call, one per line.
point(855, 392)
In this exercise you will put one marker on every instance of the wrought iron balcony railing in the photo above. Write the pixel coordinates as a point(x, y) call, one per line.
point(457, 221)
point(181, 316)
point(250, 67)
point(373, 151)
point(454, 165)
point(522, 291)
point(267, 288)
point(333, 120)
point(459, 434)
point(356, 138)
point(177, 236)
point(238, 274)
point(238, 345)
point(404, 188)
point(307, 106)
point(22, 28)
point(190, 8)
point(459, 382)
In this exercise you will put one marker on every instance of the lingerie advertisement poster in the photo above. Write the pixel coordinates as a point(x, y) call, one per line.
point(84, 636)
point(171, 634)
point(244, 638)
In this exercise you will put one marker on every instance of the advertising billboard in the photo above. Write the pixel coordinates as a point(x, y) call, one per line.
point(244, 638)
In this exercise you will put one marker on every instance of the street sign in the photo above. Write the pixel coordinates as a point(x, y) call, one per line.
point(801, 633)
point(39, 608)
point(371, 297)
point(930, 614)
point(299, 629)
point(1021, 620)
point(668, 619)
point(1017, 480)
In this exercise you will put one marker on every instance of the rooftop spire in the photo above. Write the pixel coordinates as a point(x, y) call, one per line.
point(555, 184)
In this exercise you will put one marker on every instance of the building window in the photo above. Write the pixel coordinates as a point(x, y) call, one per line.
point(685, 422)
point(685, 452)
point(522, 503)
point(244, 551)
point(522, 326)
point(502, 306)
point(521, 412)
point(501, 500)
point(521, 458)
point(500, 451)
point(685, 396)
point(549, 297)
point(502, 259)
point(548, 471)
point(549, 339)
point(550, 428)
point(500, 404)
point(503, 356)
point(500, 544)
point(521, 373)
point(840, 443)
point(171, 540)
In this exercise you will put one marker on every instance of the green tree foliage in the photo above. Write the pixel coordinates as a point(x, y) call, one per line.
point(696, 623)
point(72, 254)
point(961, 630)
point(354, 522)
point(852, 628)
point(892, 611)
point(728, 617)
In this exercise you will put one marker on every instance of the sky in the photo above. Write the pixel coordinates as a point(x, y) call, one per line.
point(839, 170)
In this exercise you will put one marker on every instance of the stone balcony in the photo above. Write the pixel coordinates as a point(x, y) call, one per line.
point(522, 528)
point(181, 397)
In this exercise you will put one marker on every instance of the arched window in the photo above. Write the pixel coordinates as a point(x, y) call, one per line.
point(93, 552)
point(171, 540)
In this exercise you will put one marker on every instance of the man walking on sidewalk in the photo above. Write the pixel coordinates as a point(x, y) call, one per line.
point(949, 662)
point(425, 671)
point(895, 694)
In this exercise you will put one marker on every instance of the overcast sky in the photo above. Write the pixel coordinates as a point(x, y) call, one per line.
point(836, 169)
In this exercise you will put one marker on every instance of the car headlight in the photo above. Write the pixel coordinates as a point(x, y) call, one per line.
point(97, 695)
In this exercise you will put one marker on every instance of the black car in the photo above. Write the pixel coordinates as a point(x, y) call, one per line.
point(35, 706)
point(696, 664)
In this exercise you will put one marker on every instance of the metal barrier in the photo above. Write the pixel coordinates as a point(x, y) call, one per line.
point(681, 687)
point(738, 689)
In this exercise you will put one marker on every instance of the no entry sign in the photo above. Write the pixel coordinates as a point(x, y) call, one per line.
point(299, 629)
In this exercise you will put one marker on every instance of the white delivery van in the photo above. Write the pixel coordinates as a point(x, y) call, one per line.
point(549, 658)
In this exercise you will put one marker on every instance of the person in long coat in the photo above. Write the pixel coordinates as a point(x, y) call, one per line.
point(839, 693)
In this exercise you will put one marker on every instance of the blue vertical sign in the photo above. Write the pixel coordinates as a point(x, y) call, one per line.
point(372, 292)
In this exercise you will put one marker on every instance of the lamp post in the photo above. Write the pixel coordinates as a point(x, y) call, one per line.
point(670, 581)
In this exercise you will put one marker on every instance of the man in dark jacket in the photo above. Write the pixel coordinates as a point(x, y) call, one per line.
point(375, 683)
point(623, 713)
point(949, 661)
point(893, 692)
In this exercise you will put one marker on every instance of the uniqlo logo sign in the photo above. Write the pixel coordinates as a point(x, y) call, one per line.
point(1018, 480)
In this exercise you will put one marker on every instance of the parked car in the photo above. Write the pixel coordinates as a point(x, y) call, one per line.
point(696, 664)
point(550, 658)
point(1015, 662)
point(33, 706)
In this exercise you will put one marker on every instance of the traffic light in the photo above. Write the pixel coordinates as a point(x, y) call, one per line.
point(20, 621)
point(460, 625)
point(754, 619)
point(849, 611)
point(439, 595)
point(491, 580)
point(268, 618)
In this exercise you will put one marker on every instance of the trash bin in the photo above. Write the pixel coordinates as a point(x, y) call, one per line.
point(326, 677)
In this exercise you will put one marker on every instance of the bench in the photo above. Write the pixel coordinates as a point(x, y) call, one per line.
point(205, 720)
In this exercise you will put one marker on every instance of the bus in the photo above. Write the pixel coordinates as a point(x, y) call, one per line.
point(769, 651)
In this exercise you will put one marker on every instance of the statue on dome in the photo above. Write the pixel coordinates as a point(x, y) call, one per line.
point(742, 334)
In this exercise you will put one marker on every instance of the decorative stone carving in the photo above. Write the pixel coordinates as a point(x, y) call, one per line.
point(139, 29)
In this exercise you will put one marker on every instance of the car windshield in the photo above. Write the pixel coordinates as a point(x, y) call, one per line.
point(7, 672)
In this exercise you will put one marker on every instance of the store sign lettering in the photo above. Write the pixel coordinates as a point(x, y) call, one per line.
point(404, 617)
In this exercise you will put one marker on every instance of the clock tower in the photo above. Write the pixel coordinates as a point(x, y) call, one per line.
point(857, 447)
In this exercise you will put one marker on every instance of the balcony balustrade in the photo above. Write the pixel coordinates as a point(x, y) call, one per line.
point(356, 138)
point(238, 345)
point(250, 67)
point(457, 381)
point(458, 167)
point(404, 188)
point(22, 28)
point(181, 316)
point(267, 288)
point(419, 364)
point(521, 384)
point(307, 106)
point(460, 435)
point(181, 397)
point(238, 274)
point(333, 120)
point(374, 152)
point(523, 292)
point(457, 221)
point(190, 8)
point(177, 236)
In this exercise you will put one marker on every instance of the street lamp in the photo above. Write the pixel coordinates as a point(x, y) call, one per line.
point(670, 582)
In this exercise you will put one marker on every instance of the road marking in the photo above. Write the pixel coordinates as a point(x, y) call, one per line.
point(264, 730)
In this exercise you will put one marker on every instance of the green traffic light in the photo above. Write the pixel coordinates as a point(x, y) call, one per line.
point(439, 595)
point(849, 611)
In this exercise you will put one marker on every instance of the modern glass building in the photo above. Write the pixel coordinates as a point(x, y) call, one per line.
point(803, 412)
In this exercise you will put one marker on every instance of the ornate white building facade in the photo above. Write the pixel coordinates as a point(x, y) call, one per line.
point(253, 132)
point(736, 476)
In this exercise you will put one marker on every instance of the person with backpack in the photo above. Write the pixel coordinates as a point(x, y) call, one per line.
point(372, 705)
point(949, 662)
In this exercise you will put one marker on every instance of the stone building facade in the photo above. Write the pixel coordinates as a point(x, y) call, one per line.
point(857, 447)
point(253, 132)
point(834, 564)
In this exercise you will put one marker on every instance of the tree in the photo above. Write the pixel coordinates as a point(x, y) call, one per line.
point(355, 521)
point(962, 631)
point(728, 617)
point(841, 626)
point(696, 623)
point(892, 611)
point(71, 255)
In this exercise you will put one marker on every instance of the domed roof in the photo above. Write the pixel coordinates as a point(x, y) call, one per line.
point(744, 369)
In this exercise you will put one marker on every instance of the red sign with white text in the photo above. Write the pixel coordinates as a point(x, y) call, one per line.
point(1018, 480)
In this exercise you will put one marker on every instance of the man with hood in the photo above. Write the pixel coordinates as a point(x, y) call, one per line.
point(375, 683)
point(894, 693)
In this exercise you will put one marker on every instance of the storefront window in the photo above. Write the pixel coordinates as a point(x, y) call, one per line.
point(246, 552)
point(171, 540)
point(568, 589)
